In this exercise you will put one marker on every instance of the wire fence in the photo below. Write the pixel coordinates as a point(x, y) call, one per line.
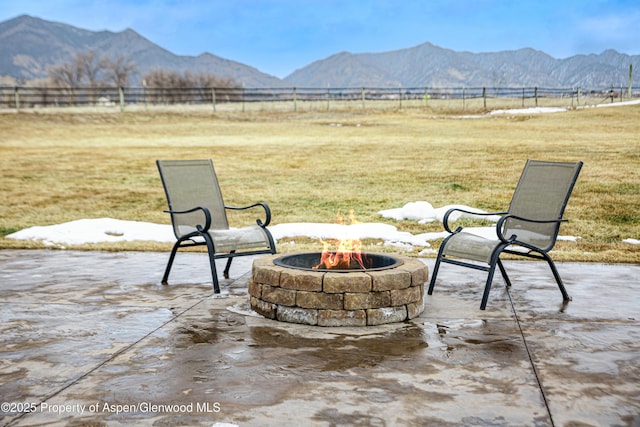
point(295, 99)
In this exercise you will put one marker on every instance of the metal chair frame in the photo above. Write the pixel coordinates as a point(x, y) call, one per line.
point(505, 242)
point(201, 231)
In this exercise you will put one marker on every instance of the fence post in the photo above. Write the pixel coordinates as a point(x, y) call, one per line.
point(213, 98)
point(484, 97)
point(328, 96)
point(523, 95)
point(121, 91)
point(362, 96)
point(144, 93)
point(630, 80)
point(400, 96)
point(611, 93)
point(295, 99)
point(16, 97)
point(535, 94)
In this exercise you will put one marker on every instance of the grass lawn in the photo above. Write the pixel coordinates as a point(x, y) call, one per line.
point(66, 165)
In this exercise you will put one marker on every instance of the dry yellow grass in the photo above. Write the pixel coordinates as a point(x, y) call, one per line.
point(66, 165)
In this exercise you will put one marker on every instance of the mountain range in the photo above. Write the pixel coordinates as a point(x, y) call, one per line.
point(30, 45)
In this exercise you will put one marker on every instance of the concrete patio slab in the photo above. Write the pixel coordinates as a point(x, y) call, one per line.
point(92, 338)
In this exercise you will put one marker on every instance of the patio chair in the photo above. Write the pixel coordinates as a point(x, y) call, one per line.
point(199, 216)
point(529, 228)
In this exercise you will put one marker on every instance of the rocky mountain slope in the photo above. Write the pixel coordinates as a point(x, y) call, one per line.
point(29, 45)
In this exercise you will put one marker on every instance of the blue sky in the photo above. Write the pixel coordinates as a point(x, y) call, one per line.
point(280, 36)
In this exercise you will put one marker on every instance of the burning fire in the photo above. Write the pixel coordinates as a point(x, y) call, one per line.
point(340, 254)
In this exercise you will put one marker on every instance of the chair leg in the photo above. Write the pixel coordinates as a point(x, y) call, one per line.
point(504, 273)
point(167, 270)
point(493, 261)
point(228, 266)
point(487, 287)
point(556, 275)
point(212, 261)
point(436, 267)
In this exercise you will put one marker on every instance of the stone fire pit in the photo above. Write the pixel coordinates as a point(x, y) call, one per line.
point(284, 289)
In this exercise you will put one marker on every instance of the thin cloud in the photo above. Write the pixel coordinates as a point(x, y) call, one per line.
point(614, 29)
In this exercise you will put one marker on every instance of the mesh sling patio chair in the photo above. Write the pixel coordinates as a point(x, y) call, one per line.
point(199, 216)
point(529, 228)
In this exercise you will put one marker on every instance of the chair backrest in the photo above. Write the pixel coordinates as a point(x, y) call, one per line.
point(542, 193)
point(188, 184)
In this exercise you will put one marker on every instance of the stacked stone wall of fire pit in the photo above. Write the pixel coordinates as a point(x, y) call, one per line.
point(358, 298)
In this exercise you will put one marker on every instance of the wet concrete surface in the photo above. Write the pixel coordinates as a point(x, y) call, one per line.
point(93, 338)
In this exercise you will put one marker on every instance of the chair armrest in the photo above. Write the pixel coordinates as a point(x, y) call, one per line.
point(514, 238)
point(445, 219)
point(205, 211)
point(267, 212)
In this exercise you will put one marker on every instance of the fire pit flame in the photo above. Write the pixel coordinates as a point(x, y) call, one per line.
point(310, 261)
point(341, 258)
point(347, 251)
